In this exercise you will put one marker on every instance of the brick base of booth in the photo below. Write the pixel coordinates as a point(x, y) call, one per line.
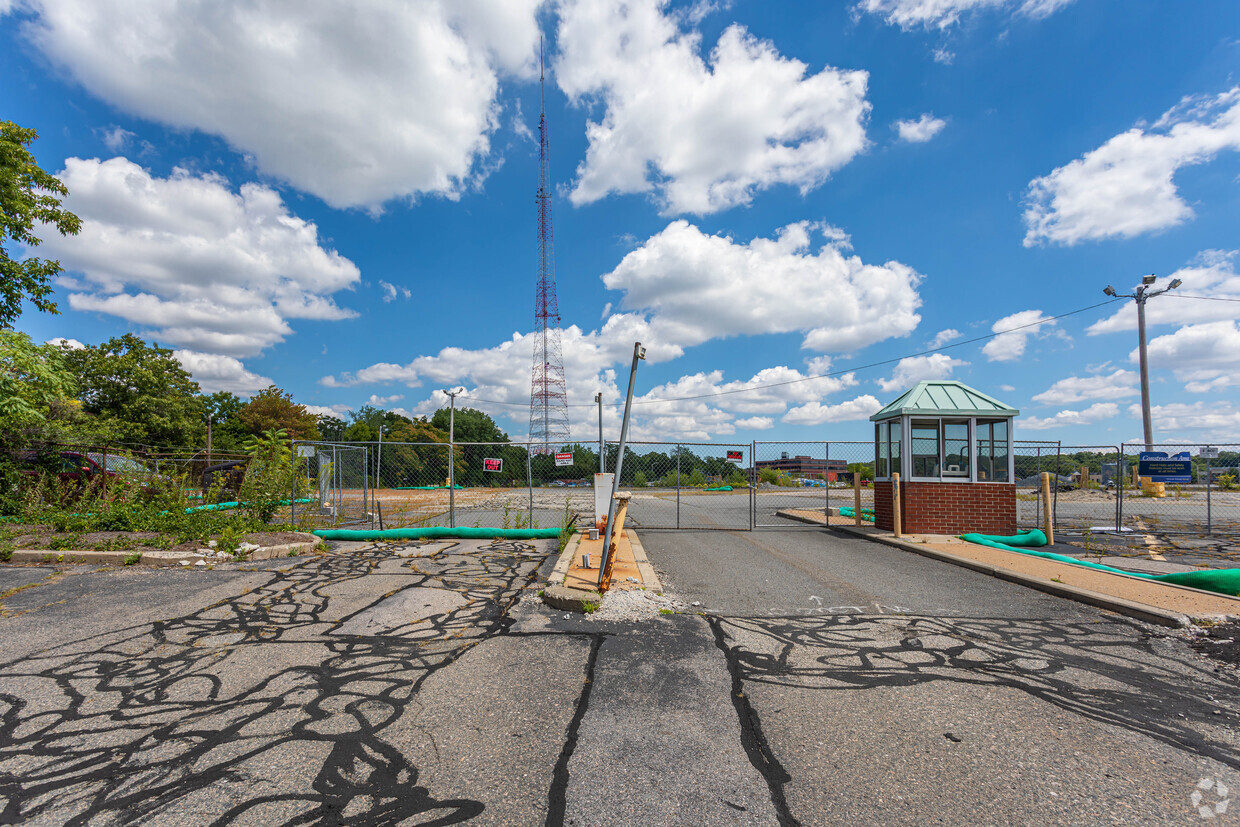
point(948, 508)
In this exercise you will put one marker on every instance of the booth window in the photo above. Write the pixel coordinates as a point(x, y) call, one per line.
point(956, 448)
point(895, 446)
point(992, 450)
point(880, 451)
point(925, 435)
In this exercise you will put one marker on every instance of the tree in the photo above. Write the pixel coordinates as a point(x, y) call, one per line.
point(140, 390)
point(331, 428)
point(27, 195)
point(34, 382)
point(273, 409)
point(227, 430)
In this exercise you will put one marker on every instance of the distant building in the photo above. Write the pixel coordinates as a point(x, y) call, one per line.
point(831, 469)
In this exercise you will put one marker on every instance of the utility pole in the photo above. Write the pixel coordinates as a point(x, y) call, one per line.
point(602, 468)
point(1141, 296)
point(452, 395)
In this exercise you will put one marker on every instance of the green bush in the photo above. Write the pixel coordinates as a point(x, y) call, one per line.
point(271, 476)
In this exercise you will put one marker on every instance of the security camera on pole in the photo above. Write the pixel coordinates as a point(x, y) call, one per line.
point(1141, 296)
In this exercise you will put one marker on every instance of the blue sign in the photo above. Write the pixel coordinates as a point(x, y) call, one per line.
point(1161, 468)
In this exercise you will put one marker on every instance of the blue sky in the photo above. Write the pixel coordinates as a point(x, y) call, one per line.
point(341, 201)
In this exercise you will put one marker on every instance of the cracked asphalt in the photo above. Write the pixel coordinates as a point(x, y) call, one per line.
point(825, 680)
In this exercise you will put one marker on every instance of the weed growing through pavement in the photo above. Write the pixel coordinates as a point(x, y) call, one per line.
point(132, 558)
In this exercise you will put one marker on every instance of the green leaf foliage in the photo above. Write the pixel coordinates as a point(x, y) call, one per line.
point(28, 196)
point(141, 389)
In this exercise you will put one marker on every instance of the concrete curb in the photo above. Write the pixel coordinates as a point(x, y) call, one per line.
point(557, 595)
point(571, 600)
point(649, 578)
point(566, 559)
point(1119, 605)
point(153, 557)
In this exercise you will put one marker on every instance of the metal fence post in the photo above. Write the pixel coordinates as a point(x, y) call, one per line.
point(1121, 463)
point(1209, 481)
point(1039, 473)
point(753, 484)
point(292, 494)
point(826, 481)
point(677, 485)
point(529, 483)
point(1055, 503)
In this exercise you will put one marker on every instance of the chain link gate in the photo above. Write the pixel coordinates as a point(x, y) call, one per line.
point(685, 485)
point(339, 476)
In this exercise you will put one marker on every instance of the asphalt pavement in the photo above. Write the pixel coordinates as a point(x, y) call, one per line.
point(821, 679)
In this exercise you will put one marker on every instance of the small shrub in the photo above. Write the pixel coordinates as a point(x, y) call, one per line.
point(132, 558)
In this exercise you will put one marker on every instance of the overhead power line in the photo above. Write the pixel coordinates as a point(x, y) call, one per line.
point(834, 373)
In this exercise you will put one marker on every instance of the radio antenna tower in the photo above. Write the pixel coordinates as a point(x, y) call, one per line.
point(548, 394)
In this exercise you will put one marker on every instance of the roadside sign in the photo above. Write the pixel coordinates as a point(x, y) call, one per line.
point(1161, 468)
point(563, 459)
point(1208, 453)
point(492, 464)
point(308, 451)
point(735, 457)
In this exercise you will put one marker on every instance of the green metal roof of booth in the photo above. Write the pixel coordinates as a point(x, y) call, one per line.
point(943, 398)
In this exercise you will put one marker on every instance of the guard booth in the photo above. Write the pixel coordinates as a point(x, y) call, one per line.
point(952, 447)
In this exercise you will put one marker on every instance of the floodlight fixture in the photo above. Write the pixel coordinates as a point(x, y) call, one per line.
point(1109, 290)
point(1174, 284)
point(1150, 279)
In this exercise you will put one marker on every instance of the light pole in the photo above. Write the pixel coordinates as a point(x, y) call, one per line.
point(452, 394)
point(598, 397)
point(1141, 296)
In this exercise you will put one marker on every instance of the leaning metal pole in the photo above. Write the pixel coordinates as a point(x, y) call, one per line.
point(639, 353)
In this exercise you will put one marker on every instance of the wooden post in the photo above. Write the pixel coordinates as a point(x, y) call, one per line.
point(1048, 514)
point(622, 508)
point(1085, 477)
point(895, 504)
point(857, 498)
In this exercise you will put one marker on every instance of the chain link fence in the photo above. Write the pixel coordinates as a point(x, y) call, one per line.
point(680, 485)
point(684, 485)
point(1096, 488)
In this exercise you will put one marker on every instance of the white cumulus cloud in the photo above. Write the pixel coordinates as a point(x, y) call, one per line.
point(1125, 187)
point(1203, 357)
point(920, 130)
point(1078, 388)
point(689, 287)
point(1211, 275)
point(1213, 421)
point(191, 261)
point(942, 14)
point(815, 413)
point(756, 423)
point(214, 373)
point(1014, 332)
point(354, 102)
point(1094, 413)
point(702, 135)
point(913, 369)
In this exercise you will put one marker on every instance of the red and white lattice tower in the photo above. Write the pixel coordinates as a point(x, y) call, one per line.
point(548, 393)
